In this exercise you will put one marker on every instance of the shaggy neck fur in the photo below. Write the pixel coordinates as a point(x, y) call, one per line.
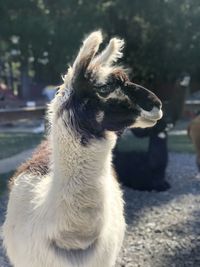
point(78, 181)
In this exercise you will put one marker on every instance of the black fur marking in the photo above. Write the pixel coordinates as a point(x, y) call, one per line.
point(120, 111)
point(83, 120)
point(119, 114)
point(85, 115)
point(142, 96)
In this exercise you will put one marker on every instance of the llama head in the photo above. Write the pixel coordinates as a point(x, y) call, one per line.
point(97, 95)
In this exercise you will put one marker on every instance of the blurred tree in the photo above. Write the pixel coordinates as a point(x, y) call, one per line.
point(162, 36)
point(23, 27)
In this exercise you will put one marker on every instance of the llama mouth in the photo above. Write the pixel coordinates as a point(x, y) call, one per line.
point(154, 115)
point(147, 118)
point(148, 121)
point(142, 122)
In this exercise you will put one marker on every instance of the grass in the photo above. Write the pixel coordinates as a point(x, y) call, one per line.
point(176, 143)
point(181, 144)
point(14, 143)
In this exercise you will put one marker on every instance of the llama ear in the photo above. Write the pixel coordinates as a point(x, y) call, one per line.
point(87, 51)
point(111, 53)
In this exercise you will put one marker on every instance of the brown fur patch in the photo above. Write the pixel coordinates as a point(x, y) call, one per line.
point(38, 164)
point(120, 75)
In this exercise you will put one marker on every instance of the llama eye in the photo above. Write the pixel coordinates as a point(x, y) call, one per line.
point(105, 89)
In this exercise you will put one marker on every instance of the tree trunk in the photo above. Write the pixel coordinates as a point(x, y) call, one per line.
point(10, 76)
point(25, 83)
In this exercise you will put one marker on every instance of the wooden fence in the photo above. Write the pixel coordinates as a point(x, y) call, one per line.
point(12, 115)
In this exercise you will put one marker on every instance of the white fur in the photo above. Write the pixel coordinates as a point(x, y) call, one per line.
point(154, 114)
point(89, 49)
point(72, 217)
point(100, 116)
point(148, 118)
point(79, 203)
point(111, 53)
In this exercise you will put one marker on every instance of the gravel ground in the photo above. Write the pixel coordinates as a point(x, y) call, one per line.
point(163, 229)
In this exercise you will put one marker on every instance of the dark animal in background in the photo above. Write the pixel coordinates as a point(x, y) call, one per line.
point(145, 170)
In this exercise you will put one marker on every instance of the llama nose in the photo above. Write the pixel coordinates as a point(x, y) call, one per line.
point(144, 98)
point(148, 100)
point(151, 102)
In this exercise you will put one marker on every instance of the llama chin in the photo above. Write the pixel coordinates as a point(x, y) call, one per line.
point(65, 206)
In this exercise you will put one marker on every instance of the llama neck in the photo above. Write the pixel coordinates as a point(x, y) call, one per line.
point(74, 196)
point(72, 160)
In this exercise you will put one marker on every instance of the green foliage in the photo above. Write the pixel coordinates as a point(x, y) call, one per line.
point(162, 36)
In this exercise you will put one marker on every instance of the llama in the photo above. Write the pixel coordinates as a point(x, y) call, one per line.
point(65, 206)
